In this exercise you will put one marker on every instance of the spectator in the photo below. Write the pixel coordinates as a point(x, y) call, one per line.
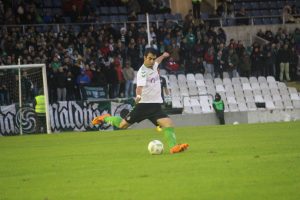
point(128, 74)
point(255, 62)
point(196, 8)
point(61, 83)
point(241, 17)
point(294, 64)
point(219, 108)
point(284, 60)
point(172, 66)
point(245, 63)
point(70, 86)
point(233, 62)
point(83, 80)
point(40, 112)
point(112, 80)
point(209, 62)
point(4, 95)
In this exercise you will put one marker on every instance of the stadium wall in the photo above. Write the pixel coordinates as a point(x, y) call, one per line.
point(251, 117)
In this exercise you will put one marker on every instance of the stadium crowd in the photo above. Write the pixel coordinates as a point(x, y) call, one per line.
point(105, 55)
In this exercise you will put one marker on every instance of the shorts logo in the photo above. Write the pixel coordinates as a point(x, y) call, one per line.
point(128, 118)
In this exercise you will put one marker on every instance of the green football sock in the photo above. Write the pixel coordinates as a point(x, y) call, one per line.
point(170, 136)
point(113, 120)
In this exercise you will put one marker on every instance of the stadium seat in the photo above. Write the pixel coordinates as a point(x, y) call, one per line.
point(220, 88)
point(236, 81)
point(266, 92)
point(202, 90)
point(187, 107)
point(242, 106)
point(257, 92)
point(231, 100)
point(288, 104)
point(195, 105)
point(211, 90)
point(205, 104)
point(208, 82)
point(228, 88)
point(262, 79)
point(276, 97)
point(271, 79)
point(227, 81)
point(225, 75)
point(259, 98)
point(122, 10)
point(253, 79)
point(176, 102)
point(296, 103)
point(270, 105)
point(184, 91)
point(278, 104)
point(233, 107)
point(208, 76)
point(237, 87)
point(244, 80)
point(193, 91)
point(190, 77)
point(273, 85)
point(181, 78)
point(200, 82)
point(199, 76)
point(246, 86)
point(218, 81)
point(251, 106)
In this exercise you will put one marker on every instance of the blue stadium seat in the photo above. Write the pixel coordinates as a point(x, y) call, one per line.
point(275, 20)
point(104, 10)
point(141, 17)
point(204, 15)
point(160, 17)
point(257, 21)
point(122, 10)
point(152, 17)
point(267, 21)
point(123, 18)
point(114, 18)
point(57, 3)
point(114, 10)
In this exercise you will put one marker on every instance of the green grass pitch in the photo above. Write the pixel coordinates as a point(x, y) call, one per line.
point(258, 161)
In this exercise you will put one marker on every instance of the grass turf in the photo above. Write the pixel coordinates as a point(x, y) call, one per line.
point(258, 161)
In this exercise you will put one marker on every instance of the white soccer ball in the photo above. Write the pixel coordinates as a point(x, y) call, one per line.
point(155, 147)
point(235, 123)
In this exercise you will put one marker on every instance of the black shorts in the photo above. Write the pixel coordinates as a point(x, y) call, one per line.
point(142, 111)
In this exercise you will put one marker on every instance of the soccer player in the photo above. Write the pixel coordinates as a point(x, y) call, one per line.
point(148, 102)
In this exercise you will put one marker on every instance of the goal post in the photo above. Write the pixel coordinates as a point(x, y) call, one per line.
point(35, 70)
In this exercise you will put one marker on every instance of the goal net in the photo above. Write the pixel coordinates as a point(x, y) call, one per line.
point(24, 104)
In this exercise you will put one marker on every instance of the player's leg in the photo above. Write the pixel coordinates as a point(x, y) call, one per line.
point(115, 121)
point(168, 128)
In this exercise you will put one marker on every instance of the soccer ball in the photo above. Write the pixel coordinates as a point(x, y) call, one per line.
point(235, 123)
point(155, 147)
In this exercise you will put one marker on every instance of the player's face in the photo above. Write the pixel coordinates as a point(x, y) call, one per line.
point(149, 60)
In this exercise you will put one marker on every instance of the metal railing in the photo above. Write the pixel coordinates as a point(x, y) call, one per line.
point(220, 22)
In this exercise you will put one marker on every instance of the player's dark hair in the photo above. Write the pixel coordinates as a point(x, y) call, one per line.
point(150, 50)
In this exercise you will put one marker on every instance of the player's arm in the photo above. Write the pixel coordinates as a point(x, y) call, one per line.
point(138, 92)
point(160, 58)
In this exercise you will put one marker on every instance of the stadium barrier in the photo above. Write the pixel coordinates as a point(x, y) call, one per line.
point(64, 116)
point(77, 116)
